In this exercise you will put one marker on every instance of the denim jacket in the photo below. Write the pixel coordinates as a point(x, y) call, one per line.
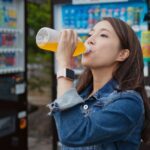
point(108, 120)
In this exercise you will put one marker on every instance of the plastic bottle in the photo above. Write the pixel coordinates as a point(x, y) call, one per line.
point(130, 15)
point(103, 13)
point(116, 13)
point(123, 14)
point(110, 12)
point(47, 39)
point(90, 18)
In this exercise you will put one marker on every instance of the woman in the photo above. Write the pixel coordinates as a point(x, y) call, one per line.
point(107, 108)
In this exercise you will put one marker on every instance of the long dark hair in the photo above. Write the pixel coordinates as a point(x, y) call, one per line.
point(129, 74)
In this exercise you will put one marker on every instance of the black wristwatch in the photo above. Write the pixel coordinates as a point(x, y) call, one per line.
point(66, 72)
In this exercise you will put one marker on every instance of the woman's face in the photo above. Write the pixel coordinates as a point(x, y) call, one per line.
point(104, 45)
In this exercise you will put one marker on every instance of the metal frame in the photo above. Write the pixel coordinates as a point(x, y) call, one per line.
point(53, 84)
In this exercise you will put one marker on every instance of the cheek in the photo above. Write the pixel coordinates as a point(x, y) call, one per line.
point(96, 59)
point(104, 55)
point(107, 50)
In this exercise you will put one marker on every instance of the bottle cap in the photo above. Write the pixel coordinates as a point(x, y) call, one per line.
point(88, 48)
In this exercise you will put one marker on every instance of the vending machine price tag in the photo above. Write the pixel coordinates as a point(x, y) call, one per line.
point(20, 88)
point(95, 1)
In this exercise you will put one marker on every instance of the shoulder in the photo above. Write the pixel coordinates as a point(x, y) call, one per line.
point(131, 95)
point(128, 102)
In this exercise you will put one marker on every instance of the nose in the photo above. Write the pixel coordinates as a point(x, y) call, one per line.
point(91, 40)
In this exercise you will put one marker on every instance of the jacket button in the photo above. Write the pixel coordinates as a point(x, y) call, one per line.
point(85, 107)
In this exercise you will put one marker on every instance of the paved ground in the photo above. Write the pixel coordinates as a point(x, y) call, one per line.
point(39, 94)
point(39, 144)
point(39, 128)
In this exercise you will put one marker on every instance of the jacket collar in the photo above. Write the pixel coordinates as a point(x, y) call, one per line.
point(108, 88)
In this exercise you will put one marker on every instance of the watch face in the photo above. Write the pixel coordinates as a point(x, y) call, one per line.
point(70, 74)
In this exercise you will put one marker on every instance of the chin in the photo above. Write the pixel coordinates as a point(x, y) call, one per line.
point(86, 64)
point(84, 61)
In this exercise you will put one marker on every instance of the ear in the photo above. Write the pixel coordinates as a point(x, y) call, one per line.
point(123, 55)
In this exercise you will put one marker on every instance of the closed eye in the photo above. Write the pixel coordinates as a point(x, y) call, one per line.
point(104, 35)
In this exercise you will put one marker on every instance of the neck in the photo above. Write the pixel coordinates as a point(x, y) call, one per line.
point(101, 77)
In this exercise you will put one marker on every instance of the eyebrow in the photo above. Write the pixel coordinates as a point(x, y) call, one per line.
point(102, 29)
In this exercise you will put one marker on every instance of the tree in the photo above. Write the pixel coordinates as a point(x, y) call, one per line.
point(38, 16)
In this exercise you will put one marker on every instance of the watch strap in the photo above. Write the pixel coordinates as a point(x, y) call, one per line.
point(66, 72)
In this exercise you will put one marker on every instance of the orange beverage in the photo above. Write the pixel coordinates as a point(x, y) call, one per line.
point(49, 46)
point(47, 39)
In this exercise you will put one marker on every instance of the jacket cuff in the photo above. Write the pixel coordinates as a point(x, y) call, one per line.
point(68, 100)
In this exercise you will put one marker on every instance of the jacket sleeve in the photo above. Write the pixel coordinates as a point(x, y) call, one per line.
point(68, 100)
point(111, 123)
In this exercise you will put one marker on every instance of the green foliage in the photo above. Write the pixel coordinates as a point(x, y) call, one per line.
point(38, 16)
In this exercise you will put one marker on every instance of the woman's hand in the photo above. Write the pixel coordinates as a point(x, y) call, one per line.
point(67, 44)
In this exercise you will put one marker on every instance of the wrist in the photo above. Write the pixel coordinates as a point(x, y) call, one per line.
point(65, 73)
point(64, 62)
point(64, 65)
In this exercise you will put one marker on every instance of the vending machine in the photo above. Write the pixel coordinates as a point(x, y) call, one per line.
point(82, 15)
point(13, 82)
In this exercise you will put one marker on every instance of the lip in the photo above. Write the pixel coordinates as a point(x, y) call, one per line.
point(87, 52)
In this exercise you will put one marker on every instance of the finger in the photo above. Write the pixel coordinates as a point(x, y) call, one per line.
point(73, 40)
point(63, 35)
point(75, 37)
point(70, 35)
